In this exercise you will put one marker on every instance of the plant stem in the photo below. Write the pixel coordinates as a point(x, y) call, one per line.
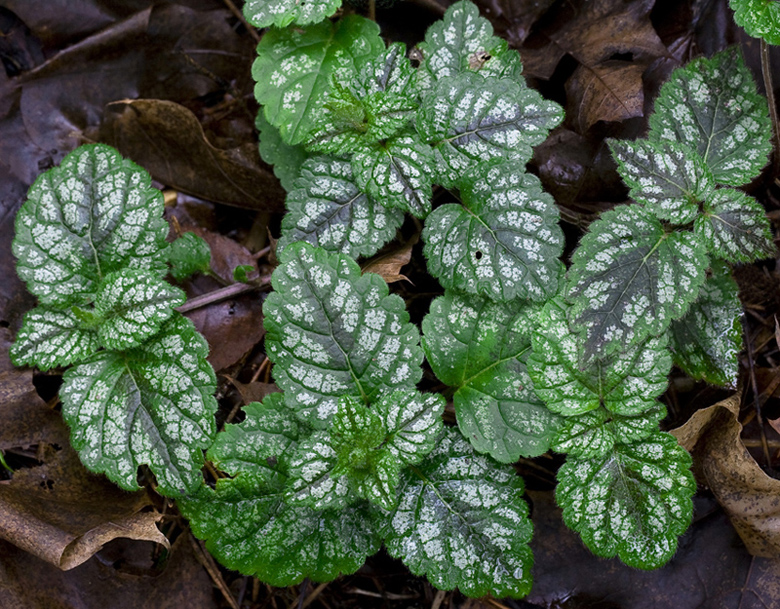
point(222, 294)
point(766, 71)
point(234, 9)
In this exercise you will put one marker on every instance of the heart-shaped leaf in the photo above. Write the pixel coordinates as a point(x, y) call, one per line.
point(264, 13)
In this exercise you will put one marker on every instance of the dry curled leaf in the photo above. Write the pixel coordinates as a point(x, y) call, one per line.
point(388, 264)
point(749, 496)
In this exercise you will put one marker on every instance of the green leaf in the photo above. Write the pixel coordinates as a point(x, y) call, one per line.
point(241, 273)
point(625, 383)
point(94, 214)
point(390, 72)
point(49, 338)
point(634, 502)
point(332, 332)
point(760, 18)
point(503, 243)
point(132, 305)
point(631, 277)
point(187, 255)
point(286, 159)
point(461, 522)
point(248, 527)
point(328, 210)
point(340, 127)
point(151, 405)
point(480, 347)
point(471, 119)
point(294, 68)
point(398, 173)
point(260, 443)
point(734, 227)
point(594, 434)
point(712, 105)
point(413, 423)
point(707, 341)
point(463, 41)
point(263, 13)
point(669, 178)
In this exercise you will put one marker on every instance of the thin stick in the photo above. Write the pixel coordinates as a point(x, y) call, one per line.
point(756, 400)
point(313, 596)
point(221, 294)
point(372, 10)
point(250, 28)
point(259, 370)
point(205, 559)
point(766, 71)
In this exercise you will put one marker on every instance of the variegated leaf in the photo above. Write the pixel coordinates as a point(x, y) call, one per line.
point(389, 72)
point(760, 18)
point(264, 13)
point(286, 159)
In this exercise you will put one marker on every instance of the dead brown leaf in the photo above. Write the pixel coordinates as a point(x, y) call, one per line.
point(255, 391)
point(749, 496)
point(167, 139)
point(513, 19)
point(388, 264)
point(609, 91)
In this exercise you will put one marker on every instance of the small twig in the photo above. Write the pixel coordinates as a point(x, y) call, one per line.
point(205, 559)
point(372, 10)
point(438, 599)
point(766, 71)
point(234, 9)
point(313, 596)
point(259, 370)
point(221, 294)
point(430, 5)
point(756, 397)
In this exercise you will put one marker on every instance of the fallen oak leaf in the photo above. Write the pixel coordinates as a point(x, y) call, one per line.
point(388, 265)
point(750, 497)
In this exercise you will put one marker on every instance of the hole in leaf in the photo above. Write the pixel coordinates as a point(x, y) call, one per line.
point(47, 484)
point(622, 56)
point(478, 255)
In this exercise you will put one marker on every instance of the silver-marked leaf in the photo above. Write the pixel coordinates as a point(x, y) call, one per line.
point(281, 13)
point(286, 159)
point(479, 347)
point(707, 341)
point(132, 305)
point(712, 105)
point(341, 125)
point(625, 383)
point(261, 444)
point(391, 72)
point(668, 177)
point(398, 173)
point(631, 277)
point(471, 119)
point(312, 481)
point(327, 209)
point(50, 337)
point(187, 255)
point(294, 68)
point(332, 332)
point(461, 522)
point(760, 18)
point(413, 423)
point(734, 227)
point(248, 527)
point(388, 113)
point(152, 405)
point(595, 433)
point(634, 502)
point(503, 243)
point(94, 214)
point(463, 41)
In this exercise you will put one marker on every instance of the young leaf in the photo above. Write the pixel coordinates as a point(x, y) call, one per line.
point(471, 119)
point(328, 210)
point(463, 41)
point(286, 159)
point(332, 332)
point(398, 173)
point(734, 227)
point(461, 521)
point(94, 214)
point(413, 423)
point(50, 338)
point(707, 341)
point(594, 434)
point(340, 127)
point(261, 442)
point(760, 18)
point(294, 67)
point(625, 383)
point(281, 13)
point(634, 502)
point(712, 104)
point(390, 72)
point(480, 347)
point(668, 178)
point(631, 277)
point(187, 255)
point(503, 243)
point(132, 305)
point(152, 405)
point(248, 527)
